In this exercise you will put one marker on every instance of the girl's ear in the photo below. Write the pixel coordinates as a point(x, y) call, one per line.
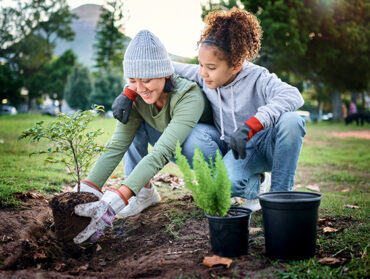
point(238, 67)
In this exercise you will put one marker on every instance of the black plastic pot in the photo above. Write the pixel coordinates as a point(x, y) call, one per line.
point(229, 234)
point(290, 220)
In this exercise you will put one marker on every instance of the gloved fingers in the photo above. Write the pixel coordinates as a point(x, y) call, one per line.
point(242, 150)
point(86, 233)
point(117, 114)
point(236, 155)
point(125, 116)
point(87, 209)
point(243, 154)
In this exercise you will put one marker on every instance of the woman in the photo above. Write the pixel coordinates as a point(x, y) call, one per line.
point(168, 104)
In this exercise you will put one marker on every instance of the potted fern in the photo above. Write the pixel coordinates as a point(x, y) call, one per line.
point(72, 145)
point(211, 189)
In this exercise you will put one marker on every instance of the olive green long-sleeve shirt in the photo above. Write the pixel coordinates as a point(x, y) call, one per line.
point(183, 109)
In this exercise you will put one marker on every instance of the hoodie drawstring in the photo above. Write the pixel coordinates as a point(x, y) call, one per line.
point(221, 116)
point(221, 113)
point(233, 108)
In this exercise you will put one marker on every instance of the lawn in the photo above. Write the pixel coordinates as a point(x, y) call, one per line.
point(331, 163)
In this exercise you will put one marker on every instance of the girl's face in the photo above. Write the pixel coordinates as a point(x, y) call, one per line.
point(150, 89)
point(214, 71)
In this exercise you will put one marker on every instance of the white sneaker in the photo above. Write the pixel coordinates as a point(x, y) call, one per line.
point(266, 183)
point(265, 187)
point(253, 205)
point(237, 201)
point(145, 198)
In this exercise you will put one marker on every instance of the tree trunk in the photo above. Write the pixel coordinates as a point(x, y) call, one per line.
point(354, 97)
point(363, 99)
point(337, 106)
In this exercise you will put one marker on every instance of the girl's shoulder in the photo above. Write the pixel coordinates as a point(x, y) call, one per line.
point(184, 85)
point(186, 91)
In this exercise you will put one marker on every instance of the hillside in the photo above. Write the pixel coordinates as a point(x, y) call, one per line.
point(84, 27)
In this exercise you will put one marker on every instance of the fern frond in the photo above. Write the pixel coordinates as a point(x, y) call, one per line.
point(211, 188)
point(185, 168)
point(222, 185)
point(203, 176)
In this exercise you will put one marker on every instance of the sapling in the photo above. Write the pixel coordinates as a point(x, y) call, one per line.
point(209, 182)
point(71, 143)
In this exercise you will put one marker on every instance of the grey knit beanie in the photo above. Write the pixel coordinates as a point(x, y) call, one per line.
point(146, 57)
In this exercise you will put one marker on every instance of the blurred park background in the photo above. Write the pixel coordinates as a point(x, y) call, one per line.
point(57, 58)
point(54, 58)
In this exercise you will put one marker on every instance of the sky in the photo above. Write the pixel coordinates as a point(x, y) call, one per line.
point(176, 23)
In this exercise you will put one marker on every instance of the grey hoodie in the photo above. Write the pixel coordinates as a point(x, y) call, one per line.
point(254, 92)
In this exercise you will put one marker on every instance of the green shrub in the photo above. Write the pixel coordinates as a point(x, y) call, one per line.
point(209, 183)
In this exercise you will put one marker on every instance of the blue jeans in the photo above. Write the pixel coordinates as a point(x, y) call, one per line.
point(274, 149)
point(138, 149)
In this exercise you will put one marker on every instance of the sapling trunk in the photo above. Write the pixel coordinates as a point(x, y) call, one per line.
point(77, 166)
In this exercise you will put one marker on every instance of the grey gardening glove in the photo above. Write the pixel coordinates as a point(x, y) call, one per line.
point(122, 105)
point(238, 142)
point(101, 213)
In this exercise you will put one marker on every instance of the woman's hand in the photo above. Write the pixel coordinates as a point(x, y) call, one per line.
point(122, 105)
point(101, 213)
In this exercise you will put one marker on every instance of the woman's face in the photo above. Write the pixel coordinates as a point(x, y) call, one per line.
point(149, 89)
point(214, 71)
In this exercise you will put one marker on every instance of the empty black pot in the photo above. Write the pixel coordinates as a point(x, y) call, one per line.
point(229, 235)
point(290, 220)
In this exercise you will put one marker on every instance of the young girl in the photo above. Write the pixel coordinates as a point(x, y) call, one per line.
point(255, 127)
point(168, 105)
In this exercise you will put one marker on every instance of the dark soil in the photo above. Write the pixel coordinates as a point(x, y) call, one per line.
point(67, 224)
point(169, 240)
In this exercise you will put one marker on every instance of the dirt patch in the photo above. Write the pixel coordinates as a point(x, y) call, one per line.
point(142, 246)
point(169, 240)
point(352, 134)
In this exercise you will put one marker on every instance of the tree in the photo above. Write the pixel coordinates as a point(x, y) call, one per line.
point(108, 84)
point(79, 88)
point(57, 72)
point(30, 62)
point(325, 42)
point(28, 32)
point(50, 19)
point(58, 25)
point(109, 36)
point(10, 85)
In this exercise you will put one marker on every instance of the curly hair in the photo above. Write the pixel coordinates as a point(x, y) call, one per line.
point(237, 33)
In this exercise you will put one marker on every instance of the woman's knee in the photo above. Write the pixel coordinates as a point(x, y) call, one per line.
point(204, 137)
